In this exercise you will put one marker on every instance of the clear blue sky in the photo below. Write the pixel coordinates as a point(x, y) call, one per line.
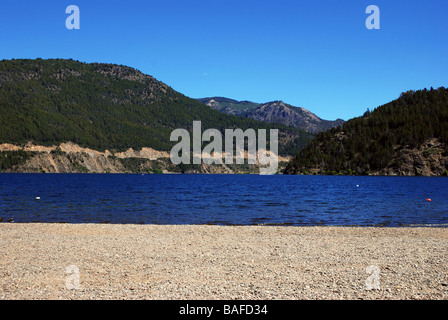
point(314, 54)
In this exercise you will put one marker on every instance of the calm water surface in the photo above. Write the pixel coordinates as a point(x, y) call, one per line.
point(224, 199)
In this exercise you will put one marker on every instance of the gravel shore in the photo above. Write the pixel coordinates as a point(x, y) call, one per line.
point(107, 261)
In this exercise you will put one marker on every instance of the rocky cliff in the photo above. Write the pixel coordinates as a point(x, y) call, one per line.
point(71, 158)
point(430, 159)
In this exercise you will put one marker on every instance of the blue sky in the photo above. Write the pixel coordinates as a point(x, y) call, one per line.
point(314, 54)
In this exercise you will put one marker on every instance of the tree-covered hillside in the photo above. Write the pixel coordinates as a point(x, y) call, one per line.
point(373, 141)
point(105, 106)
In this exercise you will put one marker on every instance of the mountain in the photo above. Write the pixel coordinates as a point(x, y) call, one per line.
point(272, 112)
point(408, 136)
point(103, 107)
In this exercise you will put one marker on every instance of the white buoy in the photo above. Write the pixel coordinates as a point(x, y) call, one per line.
point(357, 185)
point(37, 198)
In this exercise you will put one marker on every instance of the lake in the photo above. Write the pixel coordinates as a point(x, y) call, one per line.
point(224, 199)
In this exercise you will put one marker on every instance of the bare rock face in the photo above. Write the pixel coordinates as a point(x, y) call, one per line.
point(280, 112)
point(430, 159)
point(146, 153)
point(71, 163)
point(72, 158)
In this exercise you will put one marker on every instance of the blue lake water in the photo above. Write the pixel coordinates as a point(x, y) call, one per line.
point(224, 199)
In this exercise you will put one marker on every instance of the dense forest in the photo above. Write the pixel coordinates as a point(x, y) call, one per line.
point(106, 106)
point(370, 142)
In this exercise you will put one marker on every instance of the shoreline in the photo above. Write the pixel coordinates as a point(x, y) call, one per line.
point(196, 262)
point(279, 225)
point(225, 173)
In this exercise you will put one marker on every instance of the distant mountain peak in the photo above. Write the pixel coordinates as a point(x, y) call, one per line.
point(276, 111)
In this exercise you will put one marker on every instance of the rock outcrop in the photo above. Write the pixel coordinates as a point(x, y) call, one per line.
point(71, 158)
point(430, 159)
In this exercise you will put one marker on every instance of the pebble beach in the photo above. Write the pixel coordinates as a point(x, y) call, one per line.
point(195, 262)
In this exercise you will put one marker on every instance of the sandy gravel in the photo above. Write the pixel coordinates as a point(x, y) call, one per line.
point(215, 262)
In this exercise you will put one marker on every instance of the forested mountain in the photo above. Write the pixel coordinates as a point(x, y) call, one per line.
point(408, 136)
point(106, 106)
point(273, 112)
